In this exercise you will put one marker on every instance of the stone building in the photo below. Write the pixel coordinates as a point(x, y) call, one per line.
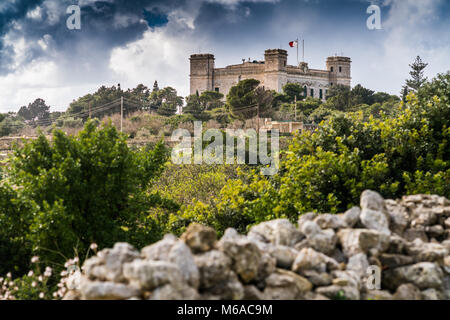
point(273, 73)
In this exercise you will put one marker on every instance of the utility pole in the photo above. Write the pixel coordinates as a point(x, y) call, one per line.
point(121, 114)
point(257, 120)
point(295, 108)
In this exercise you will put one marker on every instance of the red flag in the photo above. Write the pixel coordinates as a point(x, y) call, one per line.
point(293, 44)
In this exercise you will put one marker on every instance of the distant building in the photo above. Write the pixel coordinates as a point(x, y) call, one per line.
point(287, 126)
point(273, 73)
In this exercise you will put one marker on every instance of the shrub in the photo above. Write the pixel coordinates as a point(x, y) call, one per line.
point(327, 170)
point(76, 190)
point(72, 122)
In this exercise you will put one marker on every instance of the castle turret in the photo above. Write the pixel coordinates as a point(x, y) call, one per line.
point(202, 72)
point(275, 60)
point(275, 68)
point(340, 70)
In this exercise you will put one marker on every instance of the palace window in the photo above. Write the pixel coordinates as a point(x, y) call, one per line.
point(217, 89)
point(332, 69)
point(321, 94)
point(305, 91)
point(312, 93)
point(340, 69)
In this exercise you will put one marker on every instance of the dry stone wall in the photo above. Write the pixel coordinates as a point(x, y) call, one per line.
point(325, 256)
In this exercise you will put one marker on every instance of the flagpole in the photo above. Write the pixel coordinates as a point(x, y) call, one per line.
point(297, 52)
point(303, 50)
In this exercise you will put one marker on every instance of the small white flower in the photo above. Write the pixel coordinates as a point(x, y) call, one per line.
point(41, 278)
point(35, 259)
point(41, 295)
point(76, 260)
point(94, 246)
point(9, 275)
point(31, 273)
point(48, 272)
point(34, 284)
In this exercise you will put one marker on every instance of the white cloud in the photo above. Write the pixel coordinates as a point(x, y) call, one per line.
point(410, 28)
point(35, 14)
point(157, 56)
point(47, 78)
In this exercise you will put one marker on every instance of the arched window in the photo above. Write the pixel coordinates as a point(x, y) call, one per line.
point(312, 92)
point(332, 69)
point(305, 91)
point(321, 94)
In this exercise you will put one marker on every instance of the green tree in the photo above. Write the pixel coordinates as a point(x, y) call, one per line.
point(106, 101)
point(155, 86)
point(308, 106)
point(76, 190)
point(38, 110)
point(10, 125)
point(417, 75)
point(263, 99)
point(360, 95)
point(165, 101)
point(382, 97)
point(292, 92)
point(244, 99)
point(338, 98)
point(199, 105)
point(25, 113)
point(211, 100)
point(195, 108)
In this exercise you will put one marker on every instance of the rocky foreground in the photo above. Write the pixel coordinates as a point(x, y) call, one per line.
point(326, 257)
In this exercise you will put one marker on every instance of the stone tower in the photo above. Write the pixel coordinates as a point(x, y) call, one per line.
point(340, 70)
point(275, 62)
point(202, 73)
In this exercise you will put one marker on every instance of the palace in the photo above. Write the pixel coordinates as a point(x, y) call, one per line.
point(273, 73)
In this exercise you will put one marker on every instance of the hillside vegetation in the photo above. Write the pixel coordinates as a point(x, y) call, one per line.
point(60, 195)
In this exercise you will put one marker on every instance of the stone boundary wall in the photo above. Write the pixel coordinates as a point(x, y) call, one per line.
point(325, 257)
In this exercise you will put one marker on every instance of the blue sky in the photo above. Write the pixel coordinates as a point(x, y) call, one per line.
point(131, 42)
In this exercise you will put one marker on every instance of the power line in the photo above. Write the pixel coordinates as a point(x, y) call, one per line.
point(47, 122)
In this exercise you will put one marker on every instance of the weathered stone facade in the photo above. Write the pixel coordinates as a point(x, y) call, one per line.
point(273, 73)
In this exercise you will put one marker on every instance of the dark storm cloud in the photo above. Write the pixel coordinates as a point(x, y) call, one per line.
point(113, 23)
point(105, 25)
point(10, 12)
